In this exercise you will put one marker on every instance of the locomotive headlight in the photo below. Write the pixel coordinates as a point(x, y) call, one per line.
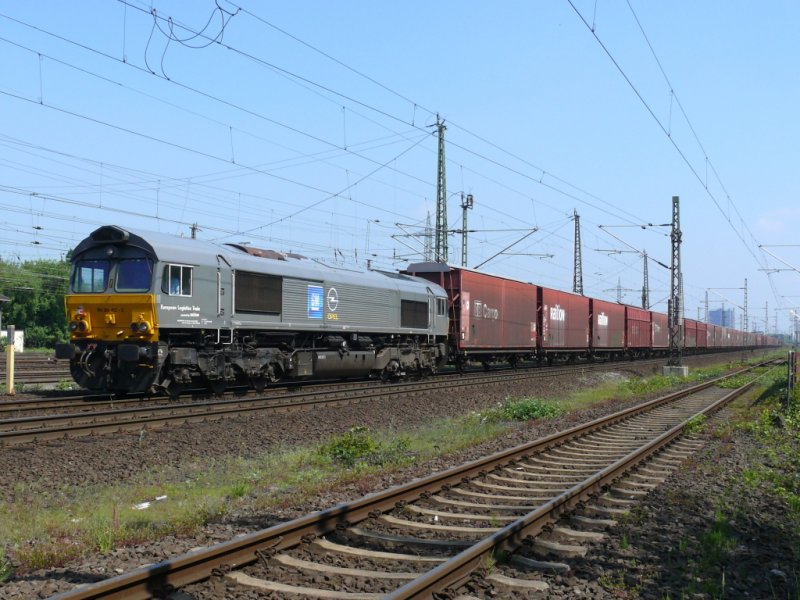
point(73, 326)
point(83, 326)
point(144, 327)
point(134, 327)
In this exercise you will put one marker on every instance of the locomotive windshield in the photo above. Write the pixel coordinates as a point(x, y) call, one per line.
point(134, 275)
point(90, 276)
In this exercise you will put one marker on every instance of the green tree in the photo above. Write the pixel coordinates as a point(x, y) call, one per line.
point(36, 290)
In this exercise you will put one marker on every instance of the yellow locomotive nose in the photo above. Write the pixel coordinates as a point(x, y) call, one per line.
point(98, 317)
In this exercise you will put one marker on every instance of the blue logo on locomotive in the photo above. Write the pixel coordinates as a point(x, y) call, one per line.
point(315, 300)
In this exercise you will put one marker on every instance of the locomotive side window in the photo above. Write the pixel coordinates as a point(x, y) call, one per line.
point(413, 314)
point(257, 293)
point(177, 280)
point(90, 276)
point(441, 307)
point(134, 275)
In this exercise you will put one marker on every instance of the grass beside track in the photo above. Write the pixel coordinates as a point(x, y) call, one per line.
point(719, 546)
point(46, 529)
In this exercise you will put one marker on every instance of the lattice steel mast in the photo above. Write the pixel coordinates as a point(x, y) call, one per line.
point(466, 204)
point(744, 325)
point(577, 272)
point(645, 284)
point(427, 248)
point(441, 254)
point(676, 289)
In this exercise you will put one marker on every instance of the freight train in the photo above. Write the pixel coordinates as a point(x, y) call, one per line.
point(154, 312)
point(495, 318)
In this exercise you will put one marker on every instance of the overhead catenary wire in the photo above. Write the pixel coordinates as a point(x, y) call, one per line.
point(663, 128)
point(183, 182)
point(538, 181)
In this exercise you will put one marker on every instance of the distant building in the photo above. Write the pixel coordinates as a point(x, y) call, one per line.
point(722, 316)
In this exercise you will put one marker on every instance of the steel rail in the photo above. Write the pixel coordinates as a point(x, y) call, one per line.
point(458, 569)
point(21, 430)
point(148, 581)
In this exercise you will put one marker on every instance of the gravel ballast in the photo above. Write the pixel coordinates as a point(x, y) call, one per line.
point(112, 459)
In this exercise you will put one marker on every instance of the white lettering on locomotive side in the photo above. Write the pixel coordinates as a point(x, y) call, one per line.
point(557, 313)
point(602, 320)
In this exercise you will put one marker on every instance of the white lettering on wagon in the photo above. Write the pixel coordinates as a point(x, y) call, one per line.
point(557, 313)
point(481, 310)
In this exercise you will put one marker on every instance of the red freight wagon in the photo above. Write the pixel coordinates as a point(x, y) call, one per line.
point(660, 331)
point(713, 336)
point(607, 325)
point(702, 335)
point(638, 328)
point(724, 337)
point(689, 333)
point(563, 321)
point(489, 314)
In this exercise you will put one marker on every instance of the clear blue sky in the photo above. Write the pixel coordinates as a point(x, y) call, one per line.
point(307, 127)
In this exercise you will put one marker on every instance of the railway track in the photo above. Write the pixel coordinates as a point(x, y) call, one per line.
point(36, 368)
point(33, 368)
point(94, 417)
point(97, 401)
point(447, 533)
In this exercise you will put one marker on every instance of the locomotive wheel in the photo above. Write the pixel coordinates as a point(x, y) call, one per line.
point(274, 373)
point(217, 386)
point(419, 373)
point(391, 372)
point(173, 391)
point(258, 383)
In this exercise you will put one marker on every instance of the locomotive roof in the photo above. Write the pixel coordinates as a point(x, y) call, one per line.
point(189, 251)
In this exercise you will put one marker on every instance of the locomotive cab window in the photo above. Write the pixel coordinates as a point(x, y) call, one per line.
point(90, 276)
point(134, 275)
point(441, 307)
point(177, 280)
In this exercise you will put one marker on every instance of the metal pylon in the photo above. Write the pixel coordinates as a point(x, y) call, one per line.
point(577, 272)
point(676, 289)
point(441, 253)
